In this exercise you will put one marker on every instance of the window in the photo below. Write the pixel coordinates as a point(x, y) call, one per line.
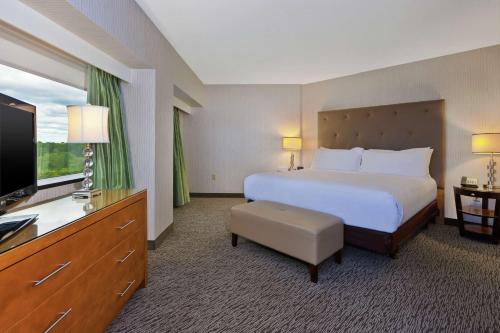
point(55, 156)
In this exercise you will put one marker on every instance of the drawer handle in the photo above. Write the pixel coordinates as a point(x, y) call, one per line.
point(62, 315)
point(125, 225)
point(54, 272)
point(126, 289)
point(130, 252)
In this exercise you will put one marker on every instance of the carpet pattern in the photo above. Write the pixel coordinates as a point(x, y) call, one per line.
point(199, 283)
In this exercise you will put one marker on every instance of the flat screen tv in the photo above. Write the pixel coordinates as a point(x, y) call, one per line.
point(17, 150)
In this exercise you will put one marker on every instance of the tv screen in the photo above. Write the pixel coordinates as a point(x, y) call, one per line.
point(17, 148)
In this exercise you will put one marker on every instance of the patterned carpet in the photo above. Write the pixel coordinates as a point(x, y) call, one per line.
point(199, 283)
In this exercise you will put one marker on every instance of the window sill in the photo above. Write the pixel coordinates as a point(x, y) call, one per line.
point(59, 181)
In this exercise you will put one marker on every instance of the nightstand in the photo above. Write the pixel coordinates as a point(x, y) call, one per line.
point(482, 230)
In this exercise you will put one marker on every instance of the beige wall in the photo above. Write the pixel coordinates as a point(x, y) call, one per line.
point(469, 83)
point(238, 132)
point(125, 22)
point(121, 29)
point(139, 94)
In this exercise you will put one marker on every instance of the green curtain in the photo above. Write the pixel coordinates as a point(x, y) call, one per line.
point(181, 188)
point(111, 163)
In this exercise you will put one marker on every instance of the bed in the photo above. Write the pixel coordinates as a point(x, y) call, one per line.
point(377, 202)
point(379, 211)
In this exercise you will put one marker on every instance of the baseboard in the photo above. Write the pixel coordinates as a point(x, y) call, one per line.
point(450, 221)
point(154, 244)
point(217, 195)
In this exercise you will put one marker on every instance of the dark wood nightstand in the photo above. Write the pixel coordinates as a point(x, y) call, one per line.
point(483, 230)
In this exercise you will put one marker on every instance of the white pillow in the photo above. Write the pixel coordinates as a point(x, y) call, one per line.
point(409, 162)
point(423, 150)
point(337, 159)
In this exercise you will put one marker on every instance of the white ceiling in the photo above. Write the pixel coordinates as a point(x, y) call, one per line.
point(302, 41)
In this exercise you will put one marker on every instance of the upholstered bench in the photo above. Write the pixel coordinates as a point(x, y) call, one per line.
point(301, 233)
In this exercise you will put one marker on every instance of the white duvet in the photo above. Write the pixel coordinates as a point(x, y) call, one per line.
point(373, 201)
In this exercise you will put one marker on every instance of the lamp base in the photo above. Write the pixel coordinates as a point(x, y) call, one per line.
point(86, 194)
point(491, 174)
point(292, 162)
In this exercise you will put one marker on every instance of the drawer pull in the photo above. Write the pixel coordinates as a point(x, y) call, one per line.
point(54, 272)
point(130, 252)
point(62, 315)
point(126, 289)
point(125, 225)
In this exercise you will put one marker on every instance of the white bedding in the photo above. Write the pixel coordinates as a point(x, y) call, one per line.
point(373, 201)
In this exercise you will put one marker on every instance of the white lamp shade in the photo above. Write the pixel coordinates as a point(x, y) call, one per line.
point(486, 143)
point(87, 124)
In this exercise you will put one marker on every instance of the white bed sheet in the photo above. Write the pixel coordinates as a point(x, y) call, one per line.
point(373, 201)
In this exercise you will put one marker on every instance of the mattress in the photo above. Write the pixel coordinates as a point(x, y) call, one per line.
point(373, 201)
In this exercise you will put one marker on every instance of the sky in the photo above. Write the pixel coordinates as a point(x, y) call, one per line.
point(49, 97)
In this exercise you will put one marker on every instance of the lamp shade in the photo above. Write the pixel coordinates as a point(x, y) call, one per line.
point(87, 124)
point(292, 143)
point(486, 143)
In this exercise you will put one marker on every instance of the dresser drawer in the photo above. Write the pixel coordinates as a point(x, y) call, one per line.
point(60, 311)
point(99, 318)
point(30, 282)
point(123, 223)
point(27, 284)
point(120, 279)
point(72, 304)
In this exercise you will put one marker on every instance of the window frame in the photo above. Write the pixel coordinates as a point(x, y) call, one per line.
point(43, 184)
point(50, 63)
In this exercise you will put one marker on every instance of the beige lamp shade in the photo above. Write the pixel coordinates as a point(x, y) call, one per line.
point(292, 143)
point(486, 143)
point(87, 124)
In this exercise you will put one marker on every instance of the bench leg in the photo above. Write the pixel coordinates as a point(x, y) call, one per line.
point(338, 256)
point(313, 272)
point(234, 239)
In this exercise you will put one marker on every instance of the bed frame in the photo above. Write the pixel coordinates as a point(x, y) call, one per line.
point(396, 126)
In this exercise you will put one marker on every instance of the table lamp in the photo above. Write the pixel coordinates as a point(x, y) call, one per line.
point(487, 143)
point(87, 124)
point(292, 144)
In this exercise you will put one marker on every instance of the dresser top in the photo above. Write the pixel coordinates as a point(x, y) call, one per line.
point(55, 214)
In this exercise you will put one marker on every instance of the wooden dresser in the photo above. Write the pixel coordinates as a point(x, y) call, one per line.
point(76, 267)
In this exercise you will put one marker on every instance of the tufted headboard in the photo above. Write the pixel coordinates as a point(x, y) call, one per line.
point(396, 126)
